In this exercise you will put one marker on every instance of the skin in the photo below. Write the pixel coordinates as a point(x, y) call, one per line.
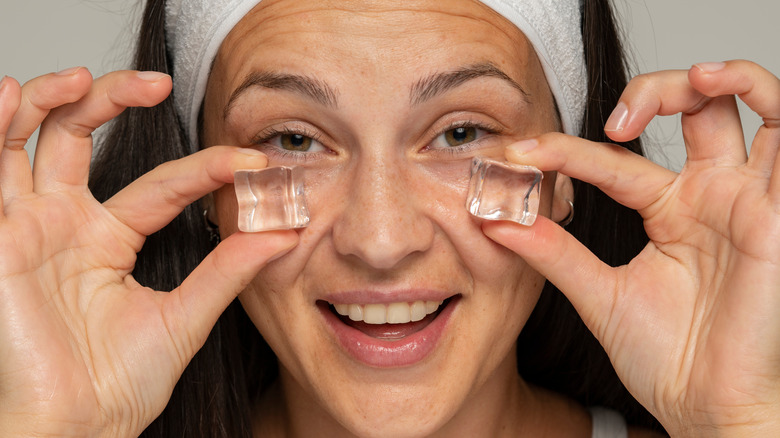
point(690, 324)
point(387, 208)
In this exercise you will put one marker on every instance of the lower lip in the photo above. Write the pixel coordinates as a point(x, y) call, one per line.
point(380, 353)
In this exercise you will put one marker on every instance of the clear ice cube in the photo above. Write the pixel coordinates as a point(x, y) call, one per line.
point(270, 199)
point(504, 191)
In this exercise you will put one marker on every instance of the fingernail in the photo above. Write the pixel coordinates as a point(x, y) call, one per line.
point(617, 120)
point(710, 67)
point(151, 76)
point(524, 146)
point(69, 71)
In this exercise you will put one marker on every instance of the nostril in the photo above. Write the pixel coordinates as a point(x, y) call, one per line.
point(385, 247)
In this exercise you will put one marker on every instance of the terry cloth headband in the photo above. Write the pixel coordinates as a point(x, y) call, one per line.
point(195, 30)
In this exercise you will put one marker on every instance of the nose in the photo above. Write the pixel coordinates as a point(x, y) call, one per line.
point(384, 220)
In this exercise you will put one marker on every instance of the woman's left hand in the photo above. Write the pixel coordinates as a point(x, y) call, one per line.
point(692, 323)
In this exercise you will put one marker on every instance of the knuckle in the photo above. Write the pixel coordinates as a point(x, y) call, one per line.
point(167, 189)
point(74, 128)
point(644, 80)
point(552, 137)
point(15, 144)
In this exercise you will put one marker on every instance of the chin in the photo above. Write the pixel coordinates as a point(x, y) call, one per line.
point(398, 413)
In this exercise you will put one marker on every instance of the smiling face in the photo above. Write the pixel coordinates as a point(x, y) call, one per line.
point(384, 108)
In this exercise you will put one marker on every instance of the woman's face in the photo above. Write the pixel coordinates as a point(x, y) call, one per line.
point(384, 107)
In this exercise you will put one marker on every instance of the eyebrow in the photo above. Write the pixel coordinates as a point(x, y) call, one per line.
point(312, 88)
point(423, 90)
point(434, 85)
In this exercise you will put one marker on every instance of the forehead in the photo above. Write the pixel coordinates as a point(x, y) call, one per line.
point(366, 37)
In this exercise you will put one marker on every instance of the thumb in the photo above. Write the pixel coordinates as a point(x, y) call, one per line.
point(193, 308)
point(588, 283)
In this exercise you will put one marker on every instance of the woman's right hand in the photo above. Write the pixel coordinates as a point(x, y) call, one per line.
point(84, 349)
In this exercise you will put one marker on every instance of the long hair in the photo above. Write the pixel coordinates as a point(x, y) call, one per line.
point(555, 349)
point(214, 396)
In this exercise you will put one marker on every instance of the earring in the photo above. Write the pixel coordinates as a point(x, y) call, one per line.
point(212, 228)
point(567, 220)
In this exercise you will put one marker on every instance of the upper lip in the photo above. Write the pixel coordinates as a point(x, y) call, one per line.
point(376, 296)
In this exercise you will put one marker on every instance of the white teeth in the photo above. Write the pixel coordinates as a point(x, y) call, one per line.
point(418, 311)
point(399, 313)
point(374, 314)
point(393, 313)
point(355, 312)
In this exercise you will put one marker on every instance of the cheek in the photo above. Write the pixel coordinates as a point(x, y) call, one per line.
point(227, 210)
point(262, 298)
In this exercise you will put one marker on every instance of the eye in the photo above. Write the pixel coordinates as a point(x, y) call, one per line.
point(457, 136)
point(290, 141)
point(295, 142)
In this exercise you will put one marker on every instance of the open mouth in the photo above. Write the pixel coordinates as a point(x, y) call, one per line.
point(392, 321)
point(388, 335)
point(389, 321)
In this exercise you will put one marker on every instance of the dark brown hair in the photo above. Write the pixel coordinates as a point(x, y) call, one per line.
point(214, 395)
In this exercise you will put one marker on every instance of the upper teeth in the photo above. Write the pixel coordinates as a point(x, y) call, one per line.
point(394, 313)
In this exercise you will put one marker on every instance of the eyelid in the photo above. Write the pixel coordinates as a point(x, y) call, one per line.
point(263, 138)
point(487, 128)
point(274, 131)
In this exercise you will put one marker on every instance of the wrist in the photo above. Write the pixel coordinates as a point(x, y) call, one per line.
point(14, 425)
point(759, 423)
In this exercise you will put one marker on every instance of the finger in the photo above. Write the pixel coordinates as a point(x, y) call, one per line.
point(774, 180)
point(38, 97)
point(10, 99)
point(587, 282)
point(194, 307)
point(152, 201)
point(764, 156)
point(626, 177)
point(759, 89)
point(654, 94)
point(756, 86)
point(713, 135)
point(65, 143)
point(41, 95)
point(712, 129)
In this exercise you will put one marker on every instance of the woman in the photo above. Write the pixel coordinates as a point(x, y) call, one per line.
point(382, 107)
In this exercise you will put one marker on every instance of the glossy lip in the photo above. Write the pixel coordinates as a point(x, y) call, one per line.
point(397, 353)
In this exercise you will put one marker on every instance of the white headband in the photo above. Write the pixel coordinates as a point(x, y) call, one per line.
point(195, 30)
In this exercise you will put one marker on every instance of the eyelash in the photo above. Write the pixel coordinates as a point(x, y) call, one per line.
point(267, 134)
point(489, 130)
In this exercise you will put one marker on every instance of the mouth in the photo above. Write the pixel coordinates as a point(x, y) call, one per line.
point(391, 334)
point(389, 321)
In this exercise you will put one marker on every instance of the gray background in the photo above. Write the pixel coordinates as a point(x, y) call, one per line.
point(39, 36)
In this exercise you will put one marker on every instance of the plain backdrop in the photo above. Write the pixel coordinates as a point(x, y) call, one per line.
point(40, 36)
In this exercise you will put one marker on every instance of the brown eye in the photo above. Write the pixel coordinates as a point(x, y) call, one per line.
point(460, 136)
point(295, 142)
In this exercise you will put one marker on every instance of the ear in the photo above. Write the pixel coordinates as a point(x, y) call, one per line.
point(210, 209)
point(563, 197)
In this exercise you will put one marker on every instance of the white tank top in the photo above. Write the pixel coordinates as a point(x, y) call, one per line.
point(607, 423)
